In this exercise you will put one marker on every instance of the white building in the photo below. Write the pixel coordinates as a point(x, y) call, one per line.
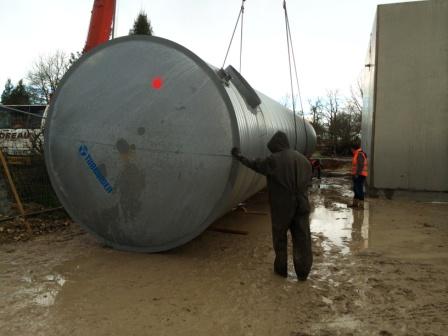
point(405, 117)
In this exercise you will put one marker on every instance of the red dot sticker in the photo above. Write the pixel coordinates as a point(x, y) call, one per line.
point(157, 83)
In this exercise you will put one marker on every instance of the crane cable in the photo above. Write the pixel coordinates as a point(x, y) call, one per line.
point(291, 53)
point(240, 16)
point(241, 37)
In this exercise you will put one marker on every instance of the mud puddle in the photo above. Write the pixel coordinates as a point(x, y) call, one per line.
point(337, 225)
point(377, 271)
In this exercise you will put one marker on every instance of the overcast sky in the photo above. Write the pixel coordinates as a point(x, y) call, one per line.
point(330, 36)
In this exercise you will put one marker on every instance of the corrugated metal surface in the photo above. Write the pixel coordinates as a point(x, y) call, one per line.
point(256, 127)
point(147, 167)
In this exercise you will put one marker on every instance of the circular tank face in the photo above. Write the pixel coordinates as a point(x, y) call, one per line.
point(137, 143)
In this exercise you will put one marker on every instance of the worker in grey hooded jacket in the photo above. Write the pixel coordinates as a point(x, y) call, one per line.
point(288, 174)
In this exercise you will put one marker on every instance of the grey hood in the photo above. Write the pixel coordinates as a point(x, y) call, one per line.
point(278, 142)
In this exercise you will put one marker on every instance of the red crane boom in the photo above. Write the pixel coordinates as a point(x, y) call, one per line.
point(101, 23)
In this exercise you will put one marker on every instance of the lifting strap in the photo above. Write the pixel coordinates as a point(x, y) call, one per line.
point(240, 16)
point(291, 55)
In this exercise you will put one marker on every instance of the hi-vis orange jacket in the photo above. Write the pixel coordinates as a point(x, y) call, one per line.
point(359, 163)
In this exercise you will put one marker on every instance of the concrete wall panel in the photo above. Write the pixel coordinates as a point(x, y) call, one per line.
point(410, 138)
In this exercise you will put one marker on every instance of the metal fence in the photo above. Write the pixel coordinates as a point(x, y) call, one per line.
point(25, 188)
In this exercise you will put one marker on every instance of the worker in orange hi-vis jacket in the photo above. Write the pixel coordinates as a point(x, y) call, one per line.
point(359, 174)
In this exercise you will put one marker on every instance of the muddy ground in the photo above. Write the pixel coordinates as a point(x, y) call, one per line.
point(378, 271)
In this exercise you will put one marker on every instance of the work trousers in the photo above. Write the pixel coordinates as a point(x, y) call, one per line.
point(301, 242)
point(358, 187)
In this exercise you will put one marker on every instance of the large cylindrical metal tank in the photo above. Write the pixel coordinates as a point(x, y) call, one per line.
point(138, 141)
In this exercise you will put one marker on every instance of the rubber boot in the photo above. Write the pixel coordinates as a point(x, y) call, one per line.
point(280, 268)
point(360, 204)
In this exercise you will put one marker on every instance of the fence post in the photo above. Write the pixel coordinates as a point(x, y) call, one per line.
point(14, 191)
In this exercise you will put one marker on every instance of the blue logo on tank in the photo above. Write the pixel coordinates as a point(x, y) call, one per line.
point(85, 155)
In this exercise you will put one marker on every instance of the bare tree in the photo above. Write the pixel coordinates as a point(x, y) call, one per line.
point(286, 101)
point(353, 108)
point(46, 74)
point(331, 112)
point(317, 116)
point(356, 97)
point(336, 120)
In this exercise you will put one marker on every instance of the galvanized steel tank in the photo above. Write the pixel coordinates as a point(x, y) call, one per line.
point(138, 138)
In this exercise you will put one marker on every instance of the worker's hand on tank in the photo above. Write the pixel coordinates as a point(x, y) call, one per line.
point(236, 153)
